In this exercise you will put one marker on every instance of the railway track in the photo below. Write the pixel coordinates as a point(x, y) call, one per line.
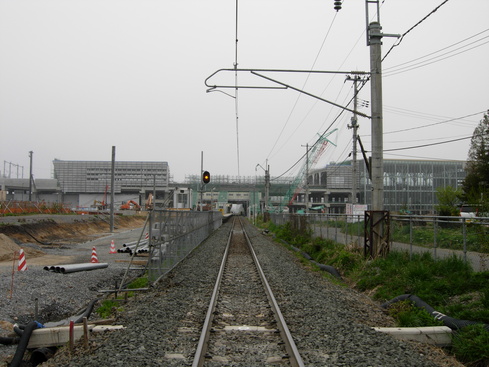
point(244, 325)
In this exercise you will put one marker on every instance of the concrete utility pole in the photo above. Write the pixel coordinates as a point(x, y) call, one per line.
point(307, 179)
point(354, 126)
point(112, 190)
point(267, 186)
point(377, 168)
point(201, 183)
point(379, 234)
point(30, 175)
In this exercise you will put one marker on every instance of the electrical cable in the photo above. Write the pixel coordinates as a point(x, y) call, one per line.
point(420, 140)
point(419, 157)
point(420, 65)
point(414, 26)
point(340, 113)
point(423, 116)
point(428, 145)
point(236, 87)
point(434, 52)
point(436, 123)
point(303, 86)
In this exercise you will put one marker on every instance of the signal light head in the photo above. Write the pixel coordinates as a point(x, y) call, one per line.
point(206, 177)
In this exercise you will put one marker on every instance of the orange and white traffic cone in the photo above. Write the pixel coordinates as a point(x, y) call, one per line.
point(112, 248)
point(22, 262)
point(94, 255)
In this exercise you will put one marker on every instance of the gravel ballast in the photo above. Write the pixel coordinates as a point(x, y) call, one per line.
point(330, 324)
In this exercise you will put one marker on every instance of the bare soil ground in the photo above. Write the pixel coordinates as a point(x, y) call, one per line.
point(36, 235)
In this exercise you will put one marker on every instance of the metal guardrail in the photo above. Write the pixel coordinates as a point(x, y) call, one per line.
point(467, 238)
point(174, 234)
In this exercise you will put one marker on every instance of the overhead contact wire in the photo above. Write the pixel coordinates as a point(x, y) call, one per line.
point(303, 86)
point(236, 87)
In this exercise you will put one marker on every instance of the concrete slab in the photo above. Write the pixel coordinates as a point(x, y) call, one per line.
point(436, 335)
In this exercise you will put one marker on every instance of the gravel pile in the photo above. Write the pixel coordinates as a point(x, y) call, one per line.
point(54, 296)
point(331, 324)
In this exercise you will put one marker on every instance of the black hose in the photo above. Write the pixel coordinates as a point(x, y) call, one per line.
point(330, 269)
point(35, 239)
point(19, 329)
point(24, 341)
point(41, 355)
point(5, 340)
point(88, 311)
point(452, 323)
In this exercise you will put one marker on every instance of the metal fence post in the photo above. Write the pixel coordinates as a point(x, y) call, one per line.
point(464, 231)
point(435, 231)
point(336, 229)
point(410, 238)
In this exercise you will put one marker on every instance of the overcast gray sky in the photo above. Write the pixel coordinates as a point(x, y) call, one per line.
point(79, 76)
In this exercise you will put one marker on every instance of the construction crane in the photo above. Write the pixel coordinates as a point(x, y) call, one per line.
point(312, 157)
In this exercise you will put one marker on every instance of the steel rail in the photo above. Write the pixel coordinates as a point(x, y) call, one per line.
point(294, 355)
point(204, 336)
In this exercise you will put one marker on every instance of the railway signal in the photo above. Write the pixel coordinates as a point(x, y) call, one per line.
point(206, 177)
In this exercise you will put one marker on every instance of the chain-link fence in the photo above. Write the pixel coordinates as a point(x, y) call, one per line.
point(467, 238)
point(174, 234)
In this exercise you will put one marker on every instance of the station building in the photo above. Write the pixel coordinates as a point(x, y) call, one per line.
point(409, 185)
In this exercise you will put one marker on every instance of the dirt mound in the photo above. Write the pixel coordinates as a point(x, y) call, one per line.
point(51, 231)
point(9, 250)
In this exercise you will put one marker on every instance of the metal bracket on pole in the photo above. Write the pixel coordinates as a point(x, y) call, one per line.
point(377, 233)
point(282, 85)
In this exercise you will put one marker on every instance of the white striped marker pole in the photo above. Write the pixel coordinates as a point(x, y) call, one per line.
point(22, 262)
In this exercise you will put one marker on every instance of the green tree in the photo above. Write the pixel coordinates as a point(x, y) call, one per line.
point(476, 183)
point(448, 200)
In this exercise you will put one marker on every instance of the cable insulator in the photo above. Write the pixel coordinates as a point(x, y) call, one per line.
point(337, 5)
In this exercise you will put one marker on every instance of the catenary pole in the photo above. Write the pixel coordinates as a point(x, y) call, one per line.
point(377, 168)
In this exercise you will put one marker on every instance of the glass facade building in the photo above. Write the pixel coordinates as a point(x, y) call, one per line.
point(408, 184)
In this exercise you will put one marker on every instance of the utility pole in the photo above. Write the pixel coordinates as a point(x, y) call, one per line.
point(377, 241)
point(267, 186)
point(307, 179)
point(379, 219)
point(112, 190)
point(354, 126)
point(377, 168)
point(267, 193)
point(30, 175)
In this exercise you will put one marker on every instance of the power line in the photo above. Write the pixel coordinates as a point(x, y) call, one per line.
point(435, 60)
point(419, 157)
point(440, 50)
point(303, 87)
point(421, 115)
point(428, 145)
point(414, 26)
point(436, 123)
